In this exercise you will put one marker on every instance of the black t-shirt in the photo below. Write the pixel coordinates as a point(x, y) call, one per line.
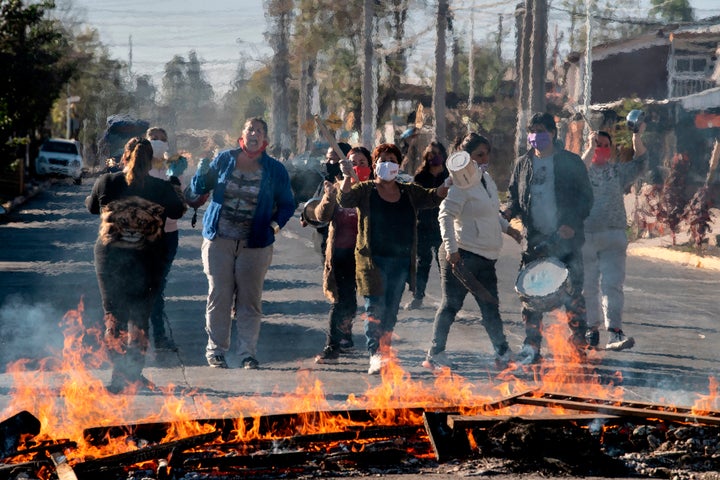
point(392, 226)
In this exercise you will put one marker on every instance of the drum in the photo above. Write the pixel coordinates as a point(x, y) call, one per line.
point(543, 284)
point(463, 170)
point(308, 213)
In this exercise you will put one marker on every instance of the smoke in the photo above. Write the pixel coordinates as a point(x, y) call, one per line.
point(28, 331)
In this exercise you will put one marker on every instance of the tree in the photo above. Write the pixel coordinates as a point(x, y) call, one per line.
point(672, 10)
point(100, 83)
point(279, 15)
point(35, 54)
point(187, 96)
point(439, 86)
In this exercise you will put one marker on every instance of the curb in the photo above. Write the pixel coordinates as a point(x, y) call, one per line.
point(10, 205)
point(681, 258)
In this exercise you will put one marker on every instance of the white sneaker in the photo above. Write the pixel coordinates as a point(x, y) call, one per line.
point(376, 364)
point(437, 361)
point(528, 355)
point(618, 341)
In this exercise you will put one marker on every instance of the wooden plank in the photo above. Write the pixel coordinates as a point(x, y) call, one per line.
point(479, 421)
point(446, 442)
point(63, 470)
point(13, 428)
point(605, 406)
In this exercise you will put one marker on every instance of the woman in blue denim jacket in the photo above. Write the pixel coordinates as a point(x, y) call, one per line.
point(251, 201)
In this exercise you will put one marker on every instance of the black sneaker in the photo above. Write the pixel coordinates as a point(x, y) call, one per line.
point(217, 361)
point(346, 344)
point(328, 355)
point(164, 344)
point(592, 335)
point(249, 363)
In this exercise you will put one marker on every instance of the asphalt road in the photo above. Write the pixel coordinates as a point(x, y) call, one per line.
point(46, 270)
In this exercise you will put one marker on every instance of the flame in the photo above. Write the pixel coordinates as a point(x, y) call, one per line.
point(67, 397)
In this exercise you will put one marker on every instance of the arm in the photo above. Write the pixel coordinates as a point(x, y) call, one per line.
point(450, 209)
point(326, 208)
point(284, 199)
point(588, 154)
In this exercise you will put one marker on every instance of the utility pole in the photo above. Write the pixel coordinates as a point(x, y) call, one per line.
point(587, 84)
point(523, 19)
point(538, 48)
point(367, 118)
point(440, 85)
point(471, 55)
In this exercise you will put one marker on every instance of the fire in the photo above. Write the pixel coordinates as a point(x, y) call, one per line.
point(67, 397)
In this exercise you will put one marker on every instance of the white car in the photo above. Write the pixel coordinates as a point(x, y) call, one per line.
point(60, 157)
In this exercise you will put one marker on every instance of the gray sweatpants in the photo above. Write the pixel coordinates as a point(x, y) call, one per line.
point(604, 257)
point(234, 272)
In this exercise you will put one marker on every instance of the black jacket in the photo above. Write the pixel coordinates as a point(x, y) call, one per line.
point(573, 193)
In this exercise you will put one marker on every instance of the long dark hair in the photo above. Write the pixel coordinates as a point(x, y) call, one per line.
point(428, 155)
point(137, 159)
point(471, 141)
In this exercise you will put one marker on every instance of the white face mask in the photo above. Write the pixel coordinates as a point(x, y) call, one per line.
point(387, 170)
point(159, 147)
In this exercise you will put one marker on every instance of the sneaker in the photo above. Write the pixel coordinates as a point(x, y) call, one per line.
point(376, 364)
point(346, 344)
point(328, 355)
point(217, 361)
point(593, 337)
point(618, 341)
point(164, 344)
point(502, 360)
point(249, 363)
point(528, 355)
point(437, 361)
point(414, 304)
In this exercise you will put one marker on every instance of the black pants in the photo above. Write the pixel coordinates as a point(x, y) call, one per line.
point(129, 280)
point(343, 311)
point(428, 245)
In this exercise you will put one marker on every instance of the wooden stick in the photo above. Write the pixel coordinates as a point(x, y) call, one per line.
point(330, 138)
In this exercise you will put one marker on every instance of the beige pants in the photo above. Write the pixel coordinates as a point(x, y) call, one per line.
point(234, 272)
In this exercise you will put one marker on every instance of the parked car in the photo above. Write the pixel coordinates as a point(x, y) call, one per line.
point(60, 157)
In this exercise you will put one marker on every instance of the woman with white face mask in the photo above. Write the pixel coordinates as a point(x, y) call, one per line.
point(386, 244)
point(471, 228)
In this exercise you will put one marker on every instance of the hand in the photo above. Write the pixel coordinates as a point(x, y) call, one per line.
point(203, 166)
point(566, 232)
point(330, 189)
point(515, 234)
point(177, 167)
point(453, 258)
point(346, 167)
point(448, 182)
point(442, 191)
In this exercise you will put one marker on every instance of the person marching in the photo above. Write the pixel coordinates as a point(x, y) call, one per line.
point(251, 201)
point(172, 171)
point(129, 256)
point(471, 230)
point(386, 244)
point(605, 248)
point(431, 174)
point(550, 191)
point(339, 270)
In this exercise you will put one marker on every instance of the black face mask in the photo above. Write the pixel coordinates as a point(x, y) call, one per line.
point(333, 171)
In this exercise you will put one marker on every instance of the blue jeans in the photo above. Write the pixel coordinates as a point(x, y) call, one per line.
point(381, 310)
point(453, 296)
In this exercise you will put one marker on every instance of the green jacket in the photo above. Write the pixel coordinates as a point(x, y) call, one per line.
point(367, 276)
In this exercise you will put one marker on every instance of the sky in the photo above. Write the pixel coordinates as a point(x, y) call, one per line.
point(224, 31)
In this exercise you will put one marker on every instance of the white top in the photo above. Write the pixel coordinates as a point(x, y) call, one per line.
point(470, 219)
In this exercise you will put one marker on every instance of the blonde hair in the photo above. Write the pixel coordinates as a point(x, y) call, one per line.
point(137, 158)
